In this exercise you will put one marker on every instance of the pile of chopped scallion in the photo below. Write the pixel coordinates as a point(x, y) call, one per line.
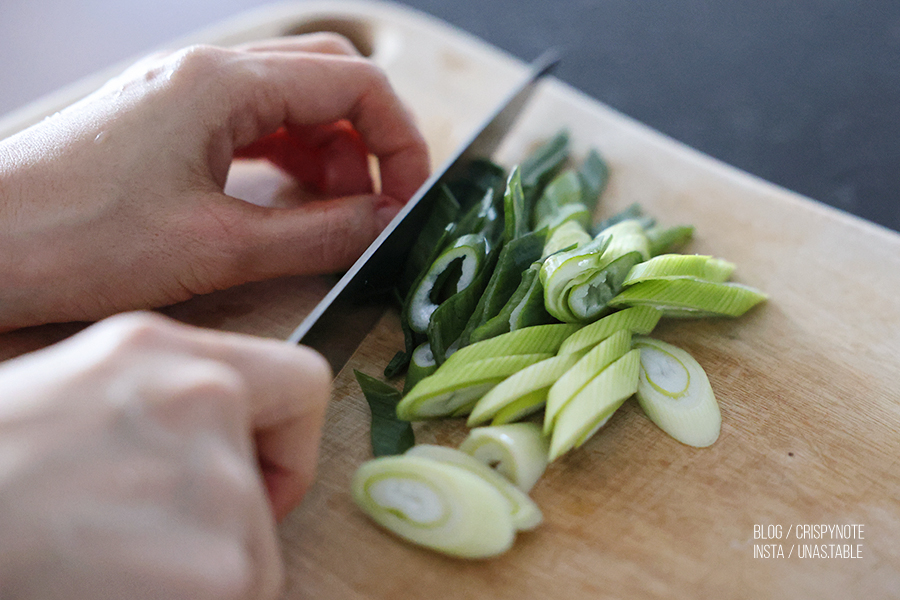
point(514, 303)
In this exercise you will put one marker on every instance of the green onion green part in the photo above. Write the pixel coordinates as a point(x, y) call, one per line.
point(468, 252)
point(421, 365)
point(389, 435)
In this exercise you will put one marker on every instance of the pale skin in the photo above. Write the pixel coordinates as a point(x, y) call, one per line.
point(142, 458)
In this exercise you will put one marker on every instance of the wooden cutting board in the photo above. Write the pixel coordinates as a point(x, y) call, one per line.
point(808, 384)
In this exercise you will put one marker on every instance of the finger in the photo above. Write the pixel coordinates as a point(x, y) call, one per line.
point(320, 236)
point(329, 159)
point(351, 88)
point(288, 389)
point(324, 42)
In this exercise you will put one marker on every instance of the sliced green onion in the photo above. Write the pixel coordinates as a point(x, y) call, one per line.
point(573, 381)
point(563, 192)
point(668, 239)
point(675, 393)
point(638, 320)
point(470, 251)
point(589, 296)
point(578, 285)
point(524, 512)
point(532, 382)
point(389, 434)
point(568, 236)
point(576, 213)
point(540, 166)
point(592, 407)
point(690, 297)
point(477, 178)
point(562, 268)
point(676, 266)
point(436, 505)
point(517, 451)
point(514, 210)
point(594, 174)
point(421, 365)
point(435, 234)
point(525, 308)
point(515, 258)
point(457, 386)
point(520, 408)
point(633, 211)
point(529, 340)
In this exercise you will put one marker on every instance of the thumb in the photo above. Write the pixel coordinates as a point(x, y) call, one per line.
point(320, 236)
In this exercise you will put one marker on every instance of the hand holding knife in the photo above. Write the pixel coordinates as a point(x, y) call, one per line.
point(338, 324)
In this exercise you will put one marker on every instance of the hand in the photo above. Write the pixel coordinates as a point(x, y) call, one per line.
point(130, 461)
point(117, 202)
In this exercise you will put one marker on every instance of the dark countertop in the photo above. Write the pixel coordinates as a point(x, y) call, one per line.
point(804, 94)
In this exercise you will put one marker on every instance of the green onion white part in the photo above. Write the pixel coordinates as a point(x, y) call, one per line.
point(454, 388)
point(517, 451)
point(675, 393)
point(586, 369)
point(592, 407)
point(566, 236)
point(676, 266)
point(528, 340)
point(524, 513)
point(692, 298)
point(528, 388)
point(440, 506)
point(639, 320)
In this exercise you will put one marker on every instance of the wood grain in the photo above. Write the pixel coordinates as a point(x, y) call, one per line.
point(807, 383)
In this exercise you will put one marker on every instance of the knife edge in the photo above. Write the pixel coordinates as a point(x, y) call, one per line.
point(338, 323)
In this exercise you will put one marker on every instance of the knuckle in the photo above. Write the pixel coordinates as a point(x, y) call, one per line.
point(194, 64)
point(330, 41)
point(208, 383)
point(139, 329)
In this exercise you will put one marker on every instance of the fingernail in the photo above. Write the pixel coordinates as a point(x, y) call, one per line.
point(386, 209)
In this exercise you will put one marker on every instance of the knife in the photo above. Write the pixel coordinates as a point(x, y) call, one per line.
point(338, 324)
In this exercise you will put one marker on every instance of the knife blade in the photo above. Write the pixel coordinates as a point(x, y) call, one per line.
point(338, 324)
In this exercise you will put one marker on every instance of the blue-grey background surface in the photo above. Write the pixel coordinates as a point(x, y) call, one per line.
point(803, 93)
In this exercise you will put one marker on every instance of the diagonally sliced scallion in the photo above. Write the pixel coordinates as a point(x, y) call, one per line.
point(421, 365)
point(469, 250)
point(529, 340)
point(639, 320)
point(586, 369)
point(436, 505)
point(532, 382)
point(517, 451)
point(524, 512)
point(675, 393)
point(457, 386)
point(674, 266)
point(687, 297)
point(592, 407)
